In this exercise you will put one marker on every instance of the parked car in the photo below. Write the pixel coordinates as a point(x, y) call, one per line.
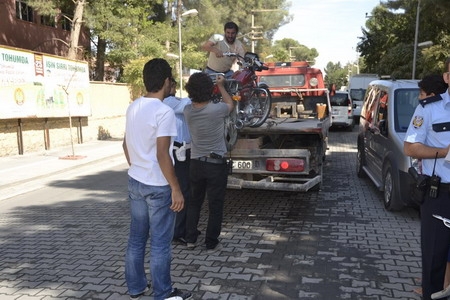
point(342, 110)
point(385, 116)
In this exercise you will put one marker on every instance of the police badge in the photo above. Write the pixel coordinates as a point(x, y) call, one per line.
point(417, 121)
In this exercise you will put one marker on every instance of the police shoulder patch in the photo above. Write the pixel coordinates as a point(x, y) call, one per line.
point(417, 121)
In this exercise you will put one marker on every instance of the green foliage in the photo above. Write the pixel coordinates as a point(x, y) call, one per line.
point(336, 74)
point(387, 44)
point(133, 76)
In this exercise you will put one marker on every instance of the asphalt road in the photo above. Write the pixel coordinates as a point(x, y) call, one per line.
point(66, 239)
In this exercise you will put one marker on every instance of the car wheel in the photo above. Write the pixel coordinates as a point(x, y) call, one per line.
point(390, 191)
point(359, 163)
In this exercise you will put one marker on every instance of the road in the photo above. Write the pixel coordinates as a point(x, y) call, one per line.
point(67, 239)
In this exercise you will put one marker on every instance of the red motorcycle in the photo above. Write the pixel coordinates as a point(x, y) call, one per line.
point(253, 102)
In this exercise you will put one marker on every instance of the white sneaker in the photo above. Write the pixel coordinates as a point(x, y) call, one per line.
point(441, 294)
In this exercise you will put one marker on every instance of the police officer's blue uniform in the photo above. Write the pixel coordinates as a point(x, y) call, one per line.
point(430, 126)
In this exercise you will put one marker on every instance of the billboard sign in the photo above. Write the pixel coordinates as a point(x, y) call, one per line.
point(36, 85)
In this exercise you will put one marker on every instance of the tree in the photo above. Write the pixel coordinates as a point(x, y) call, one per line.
point(336, 75)
point(387, 44)
point(289, 49)
point(127, 31)
point(55, 9)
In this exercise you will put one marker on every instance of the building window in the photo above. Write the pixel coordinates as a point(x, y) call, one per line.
point(23, 11)
point(48, 21)
point(65, 23)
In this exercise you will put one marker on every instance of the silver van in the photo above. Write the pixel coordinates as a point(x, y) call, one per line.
point(385, 116)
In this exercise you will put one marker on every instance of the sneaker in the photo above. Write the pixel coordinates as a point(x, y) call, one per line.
point(441, 294)
point(178, 295)
point(138, 296)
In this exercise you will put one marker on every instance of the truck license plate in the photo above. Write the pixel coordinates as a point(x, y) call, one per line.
point(242, 164)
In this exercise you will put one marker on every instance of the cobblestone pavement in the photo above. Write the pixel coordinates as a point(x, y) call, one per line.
point(68, 239)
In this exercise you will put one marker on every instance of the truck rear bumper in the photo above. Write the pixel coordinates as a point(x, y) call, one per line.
point(275, 183)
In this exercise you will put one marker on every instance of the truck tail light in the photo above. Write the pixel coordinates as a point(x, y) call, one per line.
point(285, 164)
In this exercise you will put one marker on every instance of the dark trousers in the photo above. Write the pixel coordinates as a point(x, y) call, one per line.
point(435, 241)
point(207, 180)
point(182, 173)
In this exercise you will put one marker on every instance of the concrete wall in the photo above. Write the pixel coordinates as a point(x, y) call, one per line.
point(108, 105)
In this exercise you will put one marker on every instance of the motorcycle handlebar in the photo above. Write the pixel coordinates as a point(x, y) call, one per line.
point(230, 54)
point(257, 62)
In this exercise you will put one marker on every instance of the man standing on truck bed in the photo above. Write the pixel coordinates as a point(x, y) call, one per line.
point(217, 62)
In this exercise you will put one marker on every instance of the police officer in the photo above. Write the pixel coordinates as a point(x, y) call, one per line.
point(428, 139)
point(182, 155)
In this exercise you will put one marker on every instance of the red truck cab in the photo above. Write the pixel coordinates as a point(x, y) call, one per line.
point(294, 85)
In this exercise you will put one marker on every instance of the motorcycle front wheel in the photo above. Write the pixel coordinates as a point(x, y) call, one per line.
point(261, 100)
point(231, 131)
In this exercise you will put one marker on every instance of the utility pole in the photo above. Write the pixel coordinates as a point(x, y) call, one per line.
point(253, 38)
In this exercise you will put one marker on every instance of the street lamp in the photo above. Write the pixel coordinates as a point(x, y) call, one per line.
point(191, 12)
point(416, 35)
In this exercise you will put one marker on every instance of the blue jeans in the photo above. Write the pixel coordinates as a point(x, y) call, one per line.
point(227, 74)
point(151, 217)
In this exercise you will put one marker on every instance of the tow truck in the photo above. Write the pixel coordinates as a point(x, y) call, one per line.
point(287, 152)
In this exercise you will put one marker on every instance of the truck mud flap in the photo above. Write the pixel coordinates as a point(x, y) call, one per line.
point(270, 183)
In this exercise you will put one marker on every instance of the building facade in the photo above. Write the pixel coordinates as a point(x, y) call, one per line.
point(22, 27)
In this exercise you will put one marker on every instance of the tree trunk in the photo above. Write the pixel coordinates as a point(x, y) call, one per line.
point(100, 60)
point(76, 29)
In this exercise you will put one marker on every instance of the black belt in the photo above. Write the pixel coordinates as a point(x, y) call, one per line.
point(444, 185)
point(212, 160)
point(217, 71)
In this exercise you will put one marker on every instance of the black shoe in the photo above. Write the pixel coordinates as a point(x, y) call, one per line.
point(178, 295)
point(212, 249)
point(138, 296)
point(179, 241)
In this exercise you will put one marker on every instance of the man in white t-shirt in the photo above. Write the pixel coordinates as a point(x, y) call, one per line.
point(217, 62)
point(153, 189)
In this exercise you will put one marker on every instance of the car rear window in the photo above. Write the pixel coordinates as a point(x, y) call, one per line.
point(339, 99)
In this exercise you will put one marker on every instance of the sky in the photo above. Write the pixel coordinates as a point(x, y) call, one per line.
point(330, 26)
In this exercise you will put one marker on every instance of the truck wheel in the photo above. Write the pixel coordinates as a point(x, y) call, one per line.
point(391, 187)
point(360, 163)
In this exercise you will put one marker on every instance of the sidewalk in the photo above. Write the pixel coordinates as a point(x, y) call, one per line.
point(19, 169)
